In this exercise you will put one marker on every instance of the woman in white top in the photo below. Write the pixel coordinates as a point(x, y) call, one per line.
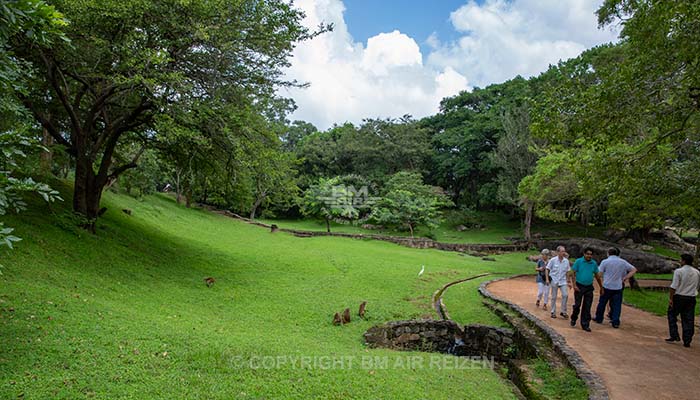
point(542, 285)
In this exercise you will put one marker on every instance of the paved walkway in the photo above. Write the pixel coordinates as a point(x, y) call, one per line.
point(634, 361)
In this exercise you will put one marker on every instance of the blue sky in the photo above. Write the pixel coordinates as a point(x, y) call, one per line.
point(417, 18)
point(382, 61)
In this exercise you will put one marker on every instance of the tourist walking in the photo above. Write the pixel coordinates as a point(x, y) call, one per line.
point(541, 278)
point(582, 274)
point(684, 290)
point(556, 276)
point(616, 272)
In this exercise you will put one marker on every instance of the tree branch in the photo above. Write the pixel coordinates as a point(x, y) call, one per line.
point(51, 69)
point(97, 106)
point(45, 122)
point(648, 147)
point(128, 122)
point(133, 164)
point(79, 96)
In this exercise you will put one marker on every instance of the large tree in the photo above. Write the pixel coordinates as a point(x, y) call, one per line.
point(628, 115)
point(409, 203)
point(331, 200)
point(464, 133)
point(376, 149)
point(272, 177)
point(130, 60)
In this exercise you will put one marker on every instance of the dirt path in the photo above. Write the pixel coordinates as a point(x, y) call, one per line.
point(634, 361)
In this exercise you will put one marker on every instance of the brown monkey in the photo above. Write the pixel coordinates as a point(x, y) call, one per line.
point(209, 281)
point(362, 309)
point(337, 320)
point(346, 316)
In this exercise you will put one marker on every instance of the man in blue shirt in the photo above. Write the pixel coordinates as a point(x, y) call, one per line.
point(616, 272)
point(584, 270)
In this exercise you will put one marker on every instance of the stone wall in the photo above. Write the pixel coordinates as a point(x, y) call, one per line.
point(444, 337)
point(489, 341)
point(417, 243)
point(644, 262)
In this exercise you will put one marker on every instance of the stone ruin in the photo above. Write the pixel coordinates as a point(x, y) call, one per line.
point(643, 261)
point(444, 336)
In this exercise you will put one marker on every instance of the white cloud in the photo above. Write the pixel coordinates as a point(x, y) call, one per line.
point(388, 50)
point(350, 81)
point(447, 81)
point(389, 77)
point(502, 39)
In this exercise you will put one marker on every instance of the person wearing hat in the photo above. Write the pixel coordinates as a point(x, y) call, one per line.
point(541, 278)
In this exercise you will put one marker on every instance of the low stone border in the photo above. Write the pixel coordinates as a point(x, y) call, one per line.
point(656, 288)
point(416, 243)
point(644, 284)
point(596, 388)
point(446, 337)
point(439, 305)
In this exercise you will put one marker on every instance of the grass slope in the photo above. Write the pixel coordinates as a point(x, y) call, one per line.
point(126, 314)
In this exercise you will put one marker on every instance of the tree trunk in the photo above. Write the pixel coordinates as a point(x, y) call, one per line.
point(328, 225)
point(410, 227)
point(257, 203)
point(205, 192)
point(585, 218)
point(46, 157)
point(529, 206)
point(87, 193)
point(639, 235)
point(697, 252)
point(178, 187)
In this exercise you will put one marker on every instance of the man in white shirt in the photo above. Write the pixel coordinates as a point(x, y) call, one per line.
point(684, 290)
point(556, 276)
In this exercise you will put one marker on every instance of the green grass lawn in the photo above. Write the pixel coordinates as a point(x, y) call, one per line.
point(126, 314)
point(445, 232)
point(662, 251)
point(654, 301)
point(459, 300)
point(496, 228)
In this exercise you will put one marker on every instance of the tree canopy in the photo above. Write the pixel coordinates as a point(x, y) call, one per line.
point(627, 116)
point(408, 203)
point(130, 61)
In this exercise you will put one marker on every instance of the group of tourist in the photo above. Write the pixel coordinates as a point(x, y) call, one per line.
point(556, 275)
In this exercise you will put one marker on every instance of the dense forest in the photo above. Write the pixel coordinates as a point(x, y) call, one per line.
point(137, 95)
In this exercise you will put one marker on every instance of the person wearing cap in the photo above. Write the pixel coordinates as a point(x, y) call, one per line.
point(582, 274)
point(616, 271)
point(542, 285)
point(684, 290)
point(556, 274)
